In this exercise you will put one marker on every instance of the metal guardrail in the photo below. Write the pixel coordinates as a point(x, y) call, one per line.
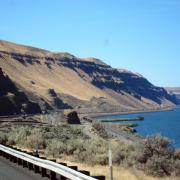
point(46, 164)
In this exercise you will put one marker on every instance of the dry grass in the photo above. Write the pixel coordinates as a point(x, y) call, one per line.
point(12, 47)
point(119, 173)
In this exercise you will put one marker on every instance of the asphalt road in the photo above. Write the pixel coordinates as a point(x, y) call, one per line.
point(11, 171)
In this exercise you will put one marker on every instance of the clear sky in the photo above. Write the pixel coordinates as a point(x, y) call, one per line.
point(140, 35)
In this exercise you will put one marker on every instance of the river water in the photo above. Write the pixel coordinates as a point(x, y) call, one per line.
point(166, 123)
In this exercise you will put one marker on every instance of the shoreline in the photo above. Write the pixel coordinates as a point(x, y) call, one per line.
point(139, 118)
point(126, 136)
point(94, 115)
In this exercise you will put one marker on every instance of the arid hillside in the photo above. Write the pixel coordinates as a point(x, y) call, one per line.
point(61, 80)
point(13, 100)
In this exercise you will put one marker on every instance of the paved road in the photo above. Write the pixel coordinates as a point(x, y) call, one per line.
point(11, 171)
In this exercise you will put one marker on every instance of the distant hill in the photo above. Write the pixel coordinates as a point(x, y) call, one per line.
point(62, 81)
point(175, 91)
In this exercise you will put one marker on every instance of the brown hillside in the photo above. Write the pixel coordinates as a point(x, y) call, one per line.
point(78, 80)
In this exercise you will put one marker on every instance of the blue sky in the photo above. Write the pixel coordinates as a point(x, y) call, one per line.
point(140, 35)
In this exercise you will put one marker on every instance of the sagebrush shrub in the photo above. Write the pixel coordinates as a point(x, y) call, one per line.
point(154, 155)
point(3, 138)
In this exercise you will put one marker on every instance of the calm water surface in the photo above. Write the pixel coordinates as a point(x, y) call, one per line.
point(166, 123)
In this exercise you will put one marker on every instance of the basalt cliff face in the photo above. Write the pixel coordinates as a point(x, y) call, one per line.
point(63, 81)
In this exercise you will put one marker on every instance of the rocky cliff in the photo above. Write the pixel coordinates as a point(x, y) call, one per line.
point(63, 81)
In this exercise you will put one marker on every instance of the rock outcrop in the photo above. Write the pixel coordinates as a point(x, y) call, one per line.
point(71, 117)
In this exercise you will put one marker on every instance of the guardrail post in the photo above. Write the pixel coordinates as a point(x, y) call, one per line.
point(99, 177)
point(85, 172)
point(43, 172)
point(52, 175)
point(11, 158)
point(42, 157)
point(73, 167)
point(64, 164)
point(19, 161)
point(30, 166)
point(53, 160)
point(14, 159)
point(62, 177)
point(5, 155)
point(25, 164)
point(36, 169)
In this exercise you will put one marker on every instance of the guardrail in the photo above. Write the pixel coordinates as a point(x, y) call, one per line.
point(40, 165)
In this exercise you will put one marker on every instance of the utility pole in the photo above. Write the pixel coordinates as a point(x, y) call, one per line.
point(110, 164)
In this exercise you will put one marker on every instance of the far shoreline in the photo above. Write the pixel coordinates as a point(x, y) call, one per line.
point(99, 114)
point(92, 117)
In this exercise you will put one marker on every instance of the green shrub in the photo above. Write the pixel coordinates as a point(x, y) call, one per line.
point(120, 153)
point(177, 167)
point(74, 144)
point(33, 140)
point(3, 138)
point(55, 148)
point(99, 128)
point(177, 154)
point(125, 154)
point(156, 157)
point(93, 151)
point(159, 166)
point(19, 135)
